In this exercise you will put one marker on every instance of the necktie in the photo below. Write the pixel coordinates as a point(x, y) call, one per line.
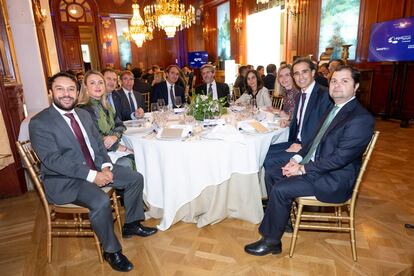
point(79, 136)
point(172, 95)
point(131, 102)
point(301, 110)
point(320, 134)
point(210, 90)
point(111, 100)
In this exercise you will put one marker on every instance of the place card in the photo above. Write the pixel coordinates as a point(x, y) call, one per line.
point(171, 133)
point(258, 127)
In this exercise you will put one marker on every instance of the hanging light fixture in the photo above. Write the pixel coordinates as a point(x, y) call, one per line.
point(169, 15)
point(137, 28)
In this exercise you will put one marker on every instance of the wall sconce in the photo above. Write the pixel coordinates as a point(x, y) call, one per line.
point(293, 8)
point(239, 3)
point(238, 22)
point(107, 41)
point(205, 32)
point(106, 22)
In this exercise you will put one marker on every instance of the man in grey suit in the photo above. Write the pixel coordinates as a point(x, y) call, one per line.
point(75, 164)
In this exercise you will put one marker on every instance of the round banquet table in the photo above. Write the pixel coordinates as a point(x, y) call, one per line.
point(202, 181)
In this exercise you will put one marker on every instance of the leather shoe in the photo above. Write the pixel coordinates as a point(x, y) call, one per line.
point(118, 261)
point(263, 247)
point(139, 230)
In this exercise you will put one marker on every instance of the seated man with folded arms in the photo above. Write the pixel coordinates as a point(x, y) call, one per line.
point(312, 102)
point(326, 167)
point(75, 165)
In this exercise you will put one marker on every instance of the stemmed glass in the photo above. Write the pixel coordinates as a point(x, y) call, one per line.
point(178, 102)
point(161, 104)
point(154, 107)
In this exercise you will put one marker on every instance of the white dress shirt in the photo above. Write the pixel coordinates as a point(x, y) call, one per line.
point(308, 92)
point(214, 88)
point(170, 101)
point(298, 158)
point(133, 100)
point(92, 173)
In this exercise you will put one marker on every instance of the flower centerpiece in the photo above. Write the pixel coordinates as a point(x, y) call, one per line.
point(204, 107)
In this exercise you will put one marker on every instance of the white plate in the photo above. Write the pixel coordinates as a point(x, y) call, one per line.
point(136, 123)
point(138, 130)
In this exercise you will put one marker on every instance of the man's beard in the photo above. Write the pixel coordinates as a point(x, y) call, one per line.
point(57, 103)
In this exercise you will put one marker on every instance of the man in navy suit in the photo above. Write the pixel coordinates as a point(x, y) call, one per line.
point(269, 80)
point(216, 89)
point(310, 105)
point(168, 90)
point(111, 82)
point(131, 102)
point(326, 167)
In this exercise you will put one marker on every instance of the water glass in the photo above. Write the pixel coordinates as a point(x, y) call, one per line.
point(154, 107)
point(178, 102)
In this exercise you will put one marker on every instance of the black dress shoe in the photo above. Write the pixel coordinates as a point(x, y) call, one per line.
point(263, 247)
point(118, 261)
point(139, 230)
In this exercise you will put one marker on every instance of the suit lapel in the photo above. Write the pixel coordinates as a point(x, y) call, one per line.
point(311, 104)
point(64, 127)
point(342, 114)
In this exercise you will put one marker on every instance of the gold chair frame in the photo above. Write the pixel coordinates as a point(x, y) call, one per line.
point(326, 217)
point(80, 226)
point(146, 97)
point(277, 102)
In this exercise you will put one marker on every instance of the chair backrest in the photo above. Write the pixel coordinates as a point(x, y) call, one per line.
point(271, 92)
point(31, 162)
point(365, 158)
point(236, 92)
point(277, 102)
point(146, 97)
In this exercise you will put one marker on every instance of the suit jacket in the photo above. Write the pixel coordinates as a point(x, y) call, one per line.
point(62, 161)
point(160, 91)
point(269, 81)
point(124, 112)
point(319, 102)
point(222, 89)
point(141, 86)
point(338, 156)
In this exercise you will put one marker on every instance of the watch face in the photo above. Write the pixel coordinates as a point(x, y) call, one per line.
point(75, 10)
point(119, 2)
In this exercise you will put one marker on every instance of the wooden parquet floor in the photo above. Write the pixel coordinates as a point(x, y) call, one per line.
point(385, 247)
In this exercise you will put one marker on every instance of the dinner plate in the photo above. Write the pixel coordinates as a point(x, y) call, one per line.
point(139, 130)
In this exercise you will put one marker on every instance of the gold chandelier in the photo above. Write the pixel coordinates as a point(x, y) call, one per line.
point(169, 15)
point(137, 28)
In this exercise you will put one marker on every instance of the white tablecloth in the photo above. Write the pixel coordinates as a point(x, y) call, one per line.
point(177, 173)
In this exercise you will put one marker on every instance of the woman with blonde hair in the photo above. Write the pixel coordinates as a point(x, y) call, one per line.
point(92, 98)
point(287, 88)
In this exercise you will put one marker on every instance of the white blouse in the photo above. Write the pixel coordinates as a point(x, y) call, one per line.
point(262, 98)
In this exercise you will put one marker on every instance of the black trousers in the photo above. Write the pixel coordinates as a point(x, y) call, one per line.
point(275, 159)
point(100, 212)
point(280, 202)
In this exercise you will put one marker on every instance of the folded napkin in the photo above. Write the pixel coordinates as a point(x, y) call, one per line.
point(171, 133)
point(253, 126)
point(225, 132)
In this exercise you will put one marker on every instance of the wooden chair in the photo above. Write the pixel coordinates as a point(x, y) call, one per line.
point(76, 225)
point(277, 102)
point(320, 220)
point(146, 97)
point(236, 92)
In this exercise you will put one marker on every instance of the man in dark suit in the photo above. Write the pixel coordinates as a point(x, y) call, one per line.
point(131, 102)
point(210, 87)
point(168, 90)
point(111, 83)
point(310, 106)
point(269, 80)
point(326, 167)
point(140, 85)
point(75, 164)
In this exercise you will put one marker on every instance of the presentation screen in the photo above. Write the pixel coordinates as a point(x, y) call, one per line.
point(392, 40)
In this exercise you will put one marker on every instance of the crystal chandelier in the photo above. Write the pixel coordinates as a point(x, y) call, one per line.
point(169, 15)
point(137, 28)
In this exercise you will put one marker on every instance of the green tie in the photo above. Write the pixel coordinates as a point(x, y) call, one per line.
point(320, 134)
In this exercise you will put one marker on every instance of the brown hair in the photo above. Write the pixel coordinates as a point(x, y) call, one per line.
point(258, 78)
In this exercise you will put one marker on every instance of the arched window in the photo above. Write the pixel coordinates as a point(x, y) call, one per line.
point(75, 11)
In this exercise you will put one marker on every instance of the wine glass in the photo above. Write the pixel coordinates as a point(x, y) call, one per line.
point(154, 107)
point(178, 102)
point(161, 104)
